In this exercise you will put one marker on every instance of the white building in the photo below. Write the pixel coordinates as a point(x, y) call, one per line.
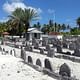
point(33, 33)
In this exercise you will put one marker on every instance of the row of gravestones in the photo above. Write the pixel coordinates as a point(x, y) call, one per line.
point(71, 46)
point(64, 71)
point(50, 51)
point(59, 48)
point(4, 52)
point(57, 44)
point(76, 51)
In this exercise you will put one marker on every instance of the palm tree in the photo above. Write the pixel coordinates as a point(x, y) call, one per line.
point(38, 25)
point(50, 23)
point(59, 28)
point(16, 20)
point(78, 21)
point(63, 27)
point(22, 17)
point(28, 16)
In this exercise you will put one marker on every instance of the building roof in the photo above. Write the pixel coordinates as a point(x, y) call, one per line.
point(34, 30)
point(54, 33)
point(5, 33)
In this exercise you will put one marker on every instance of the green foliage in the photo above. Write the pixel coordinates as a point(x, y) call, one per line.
point(38, 25)
point(75, 31)
point(54, 27)
point(20, 20)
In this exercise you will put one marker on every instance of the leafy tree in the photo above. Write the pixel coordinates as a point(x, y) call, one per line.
point(75, 31)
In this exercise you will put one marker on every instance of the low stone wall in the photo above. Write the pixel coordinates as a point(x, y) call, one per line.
point(7, 50)
point(72, 58)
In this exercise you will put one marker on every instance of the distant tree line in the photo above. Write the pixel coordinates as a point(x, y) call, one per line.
point(19, 22)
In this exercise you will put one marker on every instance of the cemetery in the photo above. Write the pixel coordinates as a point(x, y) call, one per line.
point(55, 58)
point(47, 49)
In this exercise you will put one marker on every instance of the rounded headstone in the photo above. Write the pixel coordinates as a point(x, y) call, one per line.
point(65, 70)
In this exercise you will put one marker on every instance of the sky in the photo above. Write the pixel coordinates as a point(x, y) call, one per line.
point(60, 11)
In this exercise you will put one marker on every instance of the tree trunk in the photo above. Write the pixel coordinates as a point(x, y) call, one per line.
point(27, 25)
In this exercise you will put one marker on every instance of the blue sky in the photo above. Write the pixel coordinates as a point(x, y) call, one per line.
point(61, 11)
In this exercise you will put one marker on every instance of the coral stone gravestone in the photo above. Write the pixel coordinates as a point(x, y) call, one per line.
point(59, 49)
point(65, 70)
point(41, 51)
point(50, 53)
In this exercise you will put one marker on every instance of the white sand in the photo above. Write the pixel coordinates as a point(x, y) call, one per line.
point(12, 68)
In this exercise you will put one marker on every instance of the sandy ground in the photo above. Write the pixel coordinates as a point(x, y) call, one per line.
point(12, 68)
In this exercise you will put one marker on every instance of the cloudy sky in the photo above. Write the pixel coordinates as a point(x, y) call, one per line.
point(61, 11)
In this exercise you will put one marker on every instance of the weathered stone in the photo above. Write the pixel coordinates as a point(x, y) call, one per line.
point(65, 45)
point(72, 46)
point(0, 48)
point(77, 52)
point(65, 70)
point(11, 52)
point(30, 48)
point(59, 49)
point(41, 51)
point(36, 45)
point(3, 49)
point(47, 47)
point(51, 53)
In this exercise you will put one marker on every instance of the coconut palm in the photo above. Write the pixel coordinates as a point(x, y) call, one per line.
point(16, 20)
point(78, 21)
point(22, 17)
point(63, 27)
point(28, 16)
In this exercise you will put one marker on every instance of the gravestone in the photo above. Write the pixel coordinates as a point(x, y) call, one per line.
point(36, 45)
point(0, 48)
point(50, 53)
point(47, 47)
point(3, 49)
point(44, 41)
point(30, 48)
point(33, 41)
point(41, 51)
point(59, 49)
point(65, 45)
point(26, 48)
point(22, 53)
point(77, 52)
point(72, 46)
point(65, 70)
point(11, 52)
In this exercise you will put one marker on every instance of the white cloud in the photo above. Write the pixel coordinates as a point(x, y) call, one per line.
point(51, 11)
point(39, 10)
point(11, 7)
